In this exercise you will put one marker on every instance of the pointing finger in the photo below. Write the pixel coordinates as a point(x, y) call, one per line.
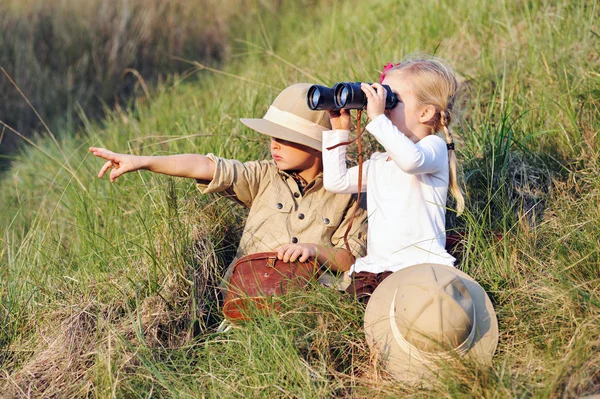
point(104, 153)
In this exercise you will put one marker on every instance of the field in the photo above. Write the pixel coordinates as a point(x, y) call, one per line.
point(108, 290)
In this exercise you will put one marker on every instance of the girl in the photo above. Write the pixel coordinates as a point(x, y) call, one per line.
point(407, 185)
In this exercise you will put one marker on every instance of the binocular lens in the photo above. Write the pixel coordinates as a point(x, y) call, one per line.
point(348, 95)
point(316, 96)
point(343, 95)
point(320, 98)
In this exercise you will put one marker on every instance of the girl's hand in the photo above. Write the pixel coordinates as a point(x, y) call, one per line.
point(293, 252)
point(121, 163)
point(340, 120)
point(376, 95)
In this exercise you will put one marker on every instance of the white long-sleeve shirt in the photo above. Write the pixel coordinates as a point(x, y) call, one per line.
point(406, 196)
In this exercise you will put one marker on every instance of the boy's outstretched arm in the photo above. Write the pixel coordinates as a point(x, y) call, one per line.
point(194, 166)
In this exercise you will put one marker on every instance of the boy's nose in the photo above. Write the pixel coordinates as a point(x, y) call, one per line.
point(274, 143)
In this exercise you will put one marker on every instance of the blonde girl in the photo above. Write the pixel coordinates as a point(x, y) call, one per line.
point(407, 185)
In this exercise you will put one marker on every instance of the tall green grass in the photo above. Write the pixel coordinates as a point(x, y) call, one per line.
point(109, 290)
point(74, 61)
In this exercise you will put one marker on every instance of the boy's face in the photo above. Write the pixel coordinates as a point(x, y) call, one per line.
point(292, 156)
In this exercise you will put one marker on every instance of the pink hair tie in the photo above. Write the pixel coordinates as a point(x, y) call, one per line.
point(385, 69)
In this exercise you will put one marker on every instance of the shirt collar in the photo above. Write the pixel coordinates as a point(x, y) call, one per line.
point(316, 182)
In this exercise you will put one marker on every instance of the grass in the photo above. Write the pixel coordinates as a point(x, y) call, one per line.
point(76, 62)
point(109, 290)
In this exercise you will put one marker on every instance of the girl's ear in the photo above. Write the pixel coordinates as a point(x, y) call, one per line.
point(427, 113)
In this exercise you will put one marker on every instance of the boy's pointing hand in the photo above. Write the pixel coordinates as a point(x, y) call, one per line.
point(120, 163)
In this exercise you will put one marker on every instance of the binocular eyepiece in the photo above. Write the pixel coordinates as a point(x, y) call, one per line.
point(343, 95)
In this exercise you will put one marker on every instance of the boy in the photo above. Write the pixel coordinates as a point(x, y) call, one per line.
point(290, 211)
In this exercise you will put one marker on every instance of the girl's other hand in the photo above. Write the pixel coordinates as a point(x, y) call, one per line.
point(340, 120)
point(376, 94)
point(292, 252)
point(121, 163)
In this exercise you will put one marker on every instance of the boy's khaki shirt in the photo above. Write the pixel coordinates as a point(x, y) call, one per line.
point(280, 214)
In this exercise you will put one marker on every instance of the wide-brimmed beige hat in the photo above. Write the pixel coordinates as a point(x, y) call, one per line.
point(425, 315)
point(289, 118)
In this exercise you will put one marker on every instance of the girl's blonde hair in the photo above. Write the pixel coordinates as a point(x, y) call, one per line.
point(433, 83)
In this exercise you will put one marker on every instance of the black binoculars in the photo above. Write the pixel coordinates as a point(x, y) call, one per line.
point(344, 95)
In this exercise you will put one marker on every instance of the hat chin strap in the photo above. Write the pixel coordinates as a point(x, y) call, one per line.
point(296, 123)
point(424, 356)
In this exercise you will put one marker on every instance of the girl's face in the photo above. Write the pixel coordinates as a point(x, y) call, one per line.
point(407, 116)
point(291, 156)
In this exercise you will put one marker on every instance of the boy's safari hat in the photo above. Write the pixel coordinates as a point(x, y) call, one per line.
point(426, 315)
point(289, 118)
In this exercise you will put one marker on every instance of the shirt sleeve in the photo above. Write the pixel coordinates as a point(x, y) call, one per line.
point(236, 180)
point(337, 178)
point(429, 155)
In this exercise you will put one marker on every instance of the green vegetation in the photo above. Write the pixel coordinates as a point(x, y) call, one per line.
point(109, 290)
point(75, 60)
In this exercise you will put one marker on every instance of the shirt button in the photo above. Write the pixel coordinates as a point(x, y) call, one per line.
point(279, 205)
point(326, 221)
point(300, 216)
point(297, 195)
point(294, 240)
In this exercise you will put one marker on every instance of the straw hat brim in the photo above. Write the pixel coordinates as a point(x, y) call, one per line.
point(400, 363)
point(273, 129)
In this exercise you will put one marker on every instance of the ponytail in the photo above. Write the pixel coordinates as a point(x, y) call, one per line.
point(454, 187)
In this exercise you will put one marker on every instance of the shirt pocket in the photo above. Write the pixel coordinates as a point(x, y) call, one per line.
point(277, 207)
point(328, 219)
point(274, 216)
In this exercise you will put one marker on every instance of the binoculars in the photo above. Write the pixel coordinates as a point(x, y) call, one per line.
point(343, 95)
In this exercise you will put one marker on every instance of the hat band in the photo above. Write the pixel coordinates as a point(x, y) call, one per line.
point(296, 123)
point(423, 356)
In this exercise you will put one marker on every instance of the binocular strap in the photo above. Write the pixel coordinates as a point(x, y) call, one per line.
point(360, 167)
